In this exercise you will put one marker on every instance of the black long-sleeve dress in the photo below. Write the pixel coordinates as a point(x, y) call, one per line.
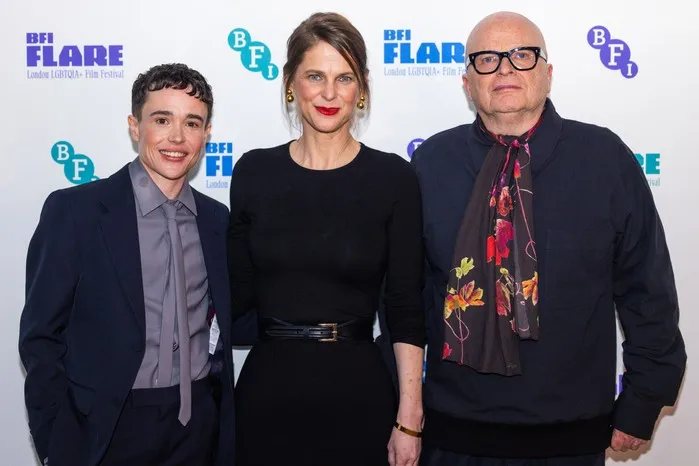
point(315, 246)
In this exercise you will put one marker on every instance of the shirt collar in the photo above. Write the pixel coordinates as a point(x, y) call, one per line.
point(149, 196)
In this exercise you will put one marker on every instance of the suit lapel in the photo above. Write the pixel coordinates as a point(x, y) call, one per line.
point(120, 230)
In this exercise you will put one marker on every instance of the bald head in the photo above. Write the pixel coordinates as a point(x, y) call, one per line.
point(508, 97)
point(502, 27)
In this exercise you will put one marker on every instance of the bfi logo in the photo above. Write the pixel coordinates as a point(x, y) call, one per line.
point(396, 34)
point(77, 168)
point(412, 145)
point(219, 159)
point(254, 55)
point(398, 46)
point(41, 51)
point(614, 54)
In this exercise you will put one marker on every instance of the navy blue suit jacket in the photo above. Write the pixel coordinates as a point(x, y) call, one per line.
point(82, 330)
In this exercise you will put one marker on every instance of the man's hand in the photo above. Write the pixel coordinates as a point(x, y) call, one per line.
point(625, 442)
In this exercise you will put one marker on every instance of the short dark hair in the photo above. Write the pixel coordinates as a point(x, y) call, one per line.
point(171, 76)
point(340, 34)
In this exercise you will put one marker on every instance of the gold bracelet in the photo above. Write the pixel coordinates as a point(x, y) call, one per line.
point(405, 430)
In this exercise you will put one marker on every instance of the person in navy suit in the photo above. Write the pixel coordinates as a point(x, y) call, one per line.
point(126, 333)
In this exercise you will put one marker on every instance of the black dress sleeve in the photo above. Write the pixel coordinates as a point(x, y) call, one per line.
point(404, 271)
point(240, 265)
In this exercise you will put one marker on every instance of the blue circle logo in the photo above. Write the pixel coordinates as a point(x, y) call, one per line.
point(77, 168)
point(254, 55)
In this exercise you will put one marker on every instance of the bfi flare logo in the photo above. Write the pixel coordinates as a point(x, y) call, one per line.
point(403, 56)
point(254, 55)
point(615, 54)
point(218, 164)
point(46, 59)
point(77, 168)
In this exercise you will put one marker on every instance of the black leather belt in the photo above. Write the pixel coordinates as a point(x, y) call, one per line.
point(327, 332)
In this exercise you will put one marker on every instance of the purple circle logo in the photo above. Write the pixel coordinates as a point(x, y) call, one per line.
point(598, 36)
point(414, 144)
point(631, 70)
point(615, 54)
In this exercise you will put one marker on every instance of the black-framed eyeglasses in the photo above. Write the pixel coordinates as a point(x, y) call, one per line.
point(521, 58)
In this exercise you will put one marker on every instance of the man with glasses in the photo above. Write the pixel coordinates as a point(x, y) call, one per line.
point(537, 230)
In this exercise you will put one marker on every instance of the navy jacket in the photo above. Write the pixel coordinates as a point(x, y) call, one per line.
point(82, 330)
point(601, 250)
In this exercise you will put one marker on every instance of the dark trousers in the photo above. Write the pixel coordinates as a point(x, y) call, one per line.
point(149, 434)
point(437, 457)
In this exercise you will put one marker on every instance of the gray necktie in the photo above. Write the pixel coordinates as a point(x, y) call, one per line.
point(175, 310)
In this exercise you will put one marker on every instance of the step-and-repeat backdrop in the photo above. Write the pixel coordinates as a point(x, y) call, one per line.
point(68, 68)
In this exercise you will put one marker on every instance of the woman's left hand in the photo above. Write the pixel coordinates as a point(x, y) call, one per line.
point(403, 449)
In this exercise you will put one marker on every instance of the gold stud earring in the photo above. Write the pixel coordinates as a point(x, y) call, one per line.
point(289, 96)
point(360, 104)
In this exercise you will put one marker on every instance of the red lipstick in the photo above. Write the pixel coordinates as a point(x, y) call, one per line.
point(328, 110)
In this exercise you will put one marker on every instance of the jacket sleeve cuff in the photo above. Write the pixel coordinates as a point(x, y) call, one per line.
point(41, 432)
point(41, 444)
point(634, 416)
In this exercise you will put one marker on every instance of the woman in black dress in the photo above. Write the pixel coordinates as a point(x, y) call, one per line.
point(317, 225)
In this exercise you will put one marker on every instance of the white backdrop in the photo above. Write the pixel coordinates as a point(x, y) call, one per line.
point(86, 107)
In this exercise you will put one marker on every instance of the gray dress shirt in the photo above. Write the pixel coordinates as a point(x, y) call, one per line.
point(154, 246)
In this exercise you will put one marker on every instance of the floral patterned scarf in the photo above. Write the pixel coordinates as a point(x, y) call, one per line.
point(492, 294)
